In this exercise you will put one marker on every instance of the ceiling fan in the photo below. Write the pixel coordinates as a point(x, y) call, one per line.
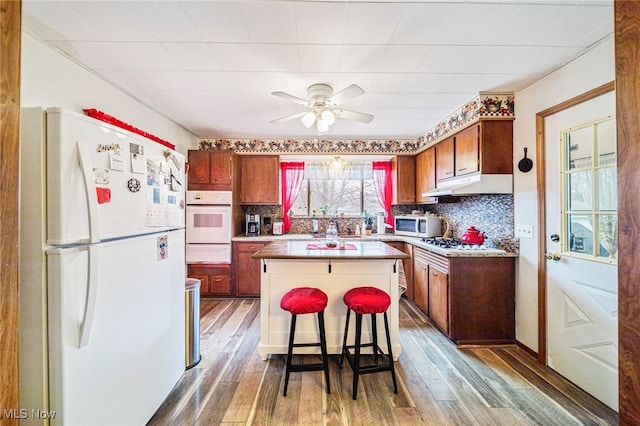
point(323, 106)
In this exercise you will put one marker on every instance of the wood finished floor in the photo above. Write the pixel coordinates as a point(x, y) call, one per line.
point(438, 384)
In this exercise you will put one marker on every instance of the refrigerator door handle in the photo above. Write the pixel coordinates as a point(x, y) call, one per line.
point(90, 301)
point(90, 190)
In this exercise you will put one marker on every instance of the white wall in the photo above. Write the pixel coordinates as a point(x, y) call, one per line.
point(587, 72)
point(49, 79)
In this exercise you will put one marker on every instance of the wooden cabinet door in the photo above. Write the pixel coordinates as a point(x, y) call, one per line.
point(198, 167)
point(420, 281)
point(467, 154)
point(220, 167)
point(246, 271)
point(425, 174)
point(445, 159)
point(404, 178)
point(209, 170)
point(439, 298)
point(215, 280)
point(259, 179)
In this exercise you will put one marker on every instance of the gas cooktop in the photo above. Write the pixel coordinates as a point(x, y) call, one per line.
point(451, 243)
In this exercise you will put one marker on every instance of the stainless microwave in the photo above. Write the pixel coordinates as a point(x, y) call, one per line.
point(418, 226)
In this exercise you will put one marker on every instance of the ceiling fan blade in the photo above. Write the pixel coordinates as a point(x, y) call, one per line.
point(291, 98)
point(353, 115)
point(344, 95)
point(289, 117)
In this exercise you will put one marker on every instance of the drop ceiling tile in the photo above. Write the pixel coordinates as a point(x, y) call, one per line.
point(446, 83)
point(403, 58)
point(192, 56)
point(269, 22)
point(424, 23)
point(296, 84)
point(524, 23)
point(102, 15)
point(166, 20)
point(320, 57)
point(357, 57)
point(217, 21)
point(235, 57)
point(278, 57)
point(371, 23)
point(249, 82)
point(389, 82)
point(211, 80)
point(127, 55)
point(575, 27)
point(467, 26)
point(64, 23)
point(321, 23)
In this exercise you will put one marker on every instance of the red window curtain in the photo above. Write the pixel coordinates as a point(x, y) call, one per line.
point(384, 187)
point(291, 175)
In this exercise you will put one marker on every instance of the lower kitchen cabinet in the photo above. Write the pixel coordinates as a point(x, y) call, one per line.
point(215, 279)
point(421, 280)
point(471, 299)
point(246, 271)
point(439, 294)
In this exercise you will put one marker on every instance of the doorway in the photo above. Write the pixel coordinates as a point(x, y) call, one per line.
point(578, 265)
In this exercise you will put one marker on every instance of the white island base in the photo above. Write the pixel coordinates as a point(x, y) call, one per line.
point(335, 277)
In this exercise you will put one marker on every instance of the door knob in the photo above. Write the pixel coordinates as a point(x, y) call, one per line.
point(553, 256)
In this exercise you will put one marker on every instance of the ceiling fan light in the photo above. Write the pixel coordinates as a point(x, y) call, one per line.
point(323, 127)
point(328, 117)
point(308, 119)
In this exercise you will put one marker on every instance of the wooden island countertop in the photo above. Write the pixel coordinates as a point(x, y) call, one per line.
point(354, 250)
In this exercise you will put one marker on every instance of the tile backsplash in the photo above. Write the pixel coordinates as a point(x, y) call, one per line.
point(492, 214)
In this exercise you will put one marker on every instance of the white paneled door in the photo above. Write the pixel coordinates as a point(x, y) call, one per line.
point(581, 246)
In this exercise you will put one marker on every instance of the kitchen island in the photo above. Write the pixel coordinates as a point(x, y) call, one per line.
point(289, 264)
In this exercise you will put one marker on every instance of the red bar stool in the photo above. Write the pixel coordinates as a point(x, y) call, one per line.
point(306, 300)
point(367, 301)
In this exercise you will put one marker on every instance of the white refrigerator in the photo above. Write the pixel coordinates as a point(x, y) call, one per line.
point(102, 271)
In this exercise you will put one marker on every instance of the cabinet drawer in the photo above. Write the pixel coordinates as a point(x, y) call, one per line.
point(250, 247)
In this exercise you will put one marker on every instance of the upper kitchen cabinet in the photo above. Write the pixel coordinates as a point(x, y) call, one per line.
point(425, 174)
point(259, 179)
point(210, 170)
point(445, 155)
point(485, 147)
point(403, 169)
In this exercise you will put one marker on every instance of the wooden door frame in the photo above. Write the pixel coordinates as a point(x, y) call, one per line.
point(10, 51)
point(542, 203)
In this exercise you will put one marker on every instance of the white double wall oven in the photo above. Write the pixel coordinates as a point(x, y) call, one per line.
point(208, 223)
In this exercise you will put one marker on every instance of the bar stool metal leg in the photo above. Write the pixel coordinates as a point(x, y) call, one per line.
point(292, 332)
point(391, 367)
point(323, 350)
point(344, 339)
point(356, 355)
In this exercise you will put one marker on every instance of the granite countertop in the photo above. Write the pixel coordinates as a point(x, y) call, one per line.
point(415, 241)
point(309, 249)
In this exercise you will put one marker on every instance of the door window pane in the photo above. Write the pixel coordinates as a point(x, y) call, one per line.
point(581, 190)
point(608, 189)
point(591, 221)
point(580, 148)
point(608, 236)
point(580, 234)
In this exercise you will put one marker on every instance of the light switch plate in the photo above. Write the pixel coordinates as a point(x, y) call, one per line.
point(524, 231)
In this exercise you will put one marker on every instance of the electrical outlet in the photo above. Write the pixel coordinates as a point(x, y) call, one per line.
point(524, 231)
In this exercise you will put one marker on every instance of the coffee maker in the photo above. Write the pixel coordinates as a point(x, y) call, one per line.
point(252, 224)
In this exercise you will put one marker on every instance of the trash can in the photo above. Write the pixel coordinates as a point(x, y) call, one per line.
point(192, 321)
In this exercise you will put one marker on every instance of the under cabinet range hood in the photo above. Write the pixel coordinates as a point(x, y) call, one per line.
point(473, 184)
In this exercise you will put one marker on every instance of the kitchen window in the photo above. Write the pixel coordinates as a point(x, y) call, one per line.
point(341, 187)
point(590, 216)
